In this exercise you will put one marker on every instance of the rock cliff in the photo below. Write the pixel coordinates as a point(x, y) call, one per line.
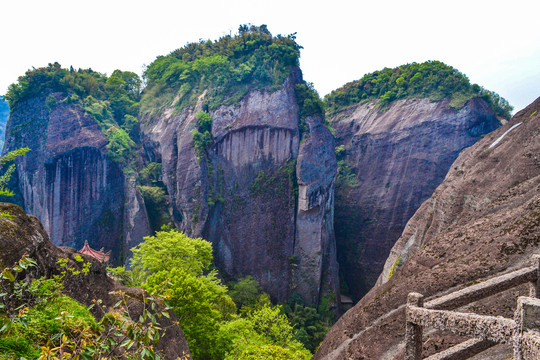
point(392, 160)
point(481, 221)
point(68, 181)
point(243, 195)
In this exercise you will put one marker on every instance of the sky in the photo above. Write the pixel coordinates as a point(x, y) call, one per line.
point(495, 43)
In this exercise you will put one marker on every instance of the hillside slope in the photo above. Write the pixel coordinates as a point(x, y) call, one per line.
point(23, 234)
point(482, 220)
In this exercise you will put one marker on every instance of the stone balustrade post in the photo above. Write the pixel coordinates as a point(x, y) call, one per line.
point(535, 286)
point(527, 318)
point(413, 332)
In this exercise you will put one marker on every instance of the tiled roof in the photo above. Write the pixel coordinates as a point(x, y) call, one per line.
point(100, 255)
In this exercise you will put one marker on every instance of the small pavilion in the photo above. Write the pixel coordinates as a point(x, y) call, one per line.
point(100, 255)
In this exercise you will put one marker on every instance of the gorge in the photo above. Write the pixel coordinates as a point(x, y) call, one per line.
point(362, 194)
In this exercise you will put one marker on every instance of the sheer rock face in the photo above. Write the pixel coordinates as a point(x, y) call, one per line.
point(315, 246)
point(398, 157)
point(22, 234)
point(69, 183)
point(242, 196)
point(482, 220)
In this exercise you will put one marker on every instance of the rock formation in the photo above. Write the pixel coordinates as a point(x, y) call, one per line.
point(24, 234)
point(68, 181)
point(242, 196)
point(393, 161)
point(482, 220)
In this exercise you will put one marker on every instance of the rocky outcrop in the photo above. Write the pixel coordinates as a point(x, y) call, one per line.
point(483, 220)
point(394, 159)
point(22, 234)
point(242, 195)
point(314, 246)
point(68, 181)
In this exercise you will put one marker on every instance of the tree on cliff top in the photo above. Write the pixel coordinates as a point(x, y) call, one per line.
point(227, 68)
point(432, 79)
point(4, 178)
point(113, 102)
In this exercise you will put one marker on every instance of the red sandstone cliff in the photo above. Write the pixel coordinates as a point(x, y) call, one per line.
point(397, 157)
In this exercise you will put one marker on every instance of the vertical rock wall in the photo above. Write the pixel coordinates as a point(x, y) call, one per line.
point(243, 196)
point(315, 249)
point(69, 183)
point(397, 158)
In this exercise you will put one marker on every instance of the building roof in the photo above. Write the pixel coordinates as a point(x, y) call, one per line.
point(100, 255)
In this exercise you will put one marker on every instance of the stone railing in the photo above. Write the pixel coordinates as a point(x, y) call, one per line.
point(485, 331)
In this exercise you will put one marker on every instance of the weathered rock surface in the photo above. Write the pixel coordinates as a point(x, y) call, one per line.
point(398, 157)
point(314, 245)
point(243, 196)
point(69, 183)
point(22, 234)
point(481, 221)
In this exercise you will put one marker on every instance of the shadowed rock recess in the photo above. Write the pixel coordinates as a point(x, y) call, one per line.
point(483, 220)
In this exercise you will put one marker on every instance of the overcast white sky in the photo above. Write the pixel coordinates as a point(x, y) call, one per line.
point(495, 43)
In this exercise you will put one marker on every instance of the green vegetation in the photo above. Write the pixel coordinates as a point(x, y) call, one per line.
point(155, 200)
point(112, 101)
point(276, 182)
point(394, 267)
point(432, 79)
point(345, 173)
point(6, 176)
point(218, 323)
point(37, 321)
point(202, 135)
point(7, 173)
point(309, 104)
point(226, 69)
point(155, 197)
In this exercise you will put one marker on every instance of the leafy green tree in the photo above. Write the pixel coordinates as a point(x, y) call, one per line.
point(263, 334)
point(245, 292)
point(169, 250)
point(201, 303)
point(179, 267)
point(4, 178)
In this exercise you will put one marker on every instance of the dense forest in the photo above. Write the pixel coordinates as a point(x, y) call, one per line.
point(432, 79)
point(226, 68)
point(237, 321)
